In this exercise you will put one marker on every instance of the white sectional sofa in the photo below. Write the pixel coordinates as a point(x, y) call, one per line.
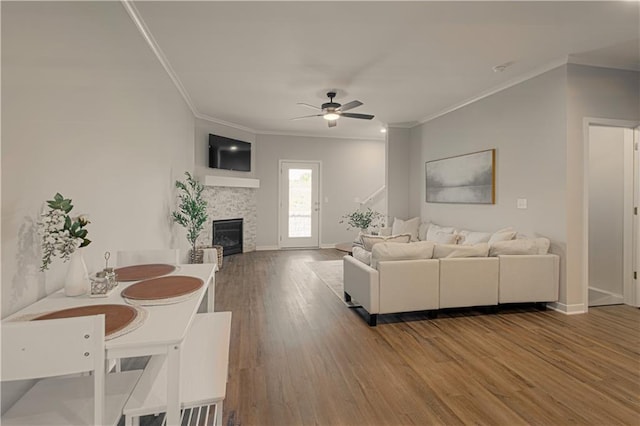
point(396, 277)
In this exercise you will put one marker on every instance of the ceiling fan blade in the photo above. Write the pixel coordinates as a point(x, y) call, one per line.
point(307, 116)
point(309, 105)
point(333, 123)
point(361, 116)
point(350, 105)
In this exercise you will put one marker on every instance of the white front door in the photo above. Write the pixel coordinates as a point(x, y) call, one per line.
point(299, 204)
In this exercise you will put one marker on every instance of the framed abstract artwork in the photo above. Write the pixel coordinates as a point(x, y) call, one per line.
point(466, 179)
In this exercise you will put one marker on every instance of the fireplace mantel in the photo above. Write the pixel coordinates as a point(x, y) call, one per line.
point(230, 181)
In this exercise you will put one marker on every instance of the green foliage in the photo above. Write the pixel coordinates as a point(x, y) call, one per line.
point(192, 208)
point(362, 219)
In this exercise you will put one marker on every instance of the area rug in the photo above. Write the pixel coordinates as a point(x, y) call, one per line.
point(330, 273)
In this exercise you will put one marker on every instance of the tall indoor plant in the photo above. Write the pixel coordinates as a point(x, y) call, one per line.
point(192, 210)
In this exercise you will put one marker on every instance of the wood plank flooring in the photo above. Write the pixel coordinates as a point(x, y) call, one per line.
point(301, 357)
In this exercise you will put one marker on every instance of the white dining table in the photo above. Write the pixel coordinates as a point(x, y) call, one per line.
point(161, 334)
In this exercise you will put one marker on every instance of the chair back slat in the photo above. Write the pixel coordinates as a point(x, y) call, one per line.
point(39, 349)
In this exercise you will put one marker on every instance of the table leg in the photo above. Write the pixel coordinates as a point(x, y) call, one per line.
point(173, 386)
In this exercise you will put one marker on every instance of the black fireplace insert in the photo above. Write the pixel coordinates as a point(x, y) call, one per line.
point(228, 234)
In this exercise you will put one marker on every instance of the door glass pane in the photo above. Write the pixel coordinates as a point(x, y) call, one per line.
point(300, 203)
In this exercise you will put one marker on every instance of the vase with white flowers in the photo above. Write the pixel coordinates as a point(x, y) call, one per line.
point(365, 220)
point(62, 236)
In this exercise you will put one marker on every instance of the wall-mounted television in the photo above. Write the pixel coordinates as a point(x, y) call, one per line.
point(229, 154)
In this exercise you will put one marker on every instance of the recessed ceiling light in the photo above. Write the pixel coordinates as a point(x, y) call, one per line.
point(383, 130)
point(233, 148)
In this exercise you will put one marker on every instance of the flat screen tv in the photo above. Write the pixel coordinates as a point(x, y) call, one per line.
point(229, 154)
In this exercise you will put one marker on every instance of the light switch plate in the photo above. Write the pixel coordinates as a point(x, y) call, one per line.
point(521, 203)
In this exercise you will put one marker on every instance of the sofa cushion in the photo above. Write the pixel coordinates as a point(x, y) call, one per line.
point(444, 238)
point(434, 229)
point(409, 226)
point(520, 246)
point(368, 241)
point(422, 231)
point(505, 234)
point(466, 237)
point(359, 253)
point(442, 251)
point(394, 251)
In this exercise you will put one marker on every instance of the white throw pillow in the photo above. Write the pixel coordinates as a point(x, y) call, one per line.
point(393, 251)
point(442, 251)
point(444, 238)
point(422, 230)
point(362, 255)
point(505, 234)
point(370, 240)
point(409, 226)
point(434, 229)
point(467, 238)
point(520, 246)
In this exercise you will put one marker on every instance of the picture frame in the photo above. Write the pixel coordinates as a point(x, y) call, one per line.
point(462, 179)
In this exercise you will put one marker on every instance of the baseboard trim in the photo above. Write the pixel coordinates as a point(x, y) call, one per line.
point(267, 248)
point(578, 308)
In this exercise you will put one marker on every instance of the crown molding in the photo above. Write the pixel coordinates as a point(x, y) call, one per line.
point(146, 34)
point(524, 77)
point(225, 123)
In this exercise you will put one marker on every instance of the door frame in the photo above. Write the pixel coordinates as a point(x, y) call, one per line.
point(280, 200)
point(607, 122)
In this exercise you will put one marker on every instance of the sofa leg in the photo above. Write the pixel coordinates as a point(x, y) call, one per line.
point(541, 306)
point(433, 314)
point(347, 297)
point(373, 320)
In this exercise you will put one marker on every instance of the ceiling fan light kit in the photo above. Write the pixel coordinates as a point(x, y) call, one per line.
point(332, 111)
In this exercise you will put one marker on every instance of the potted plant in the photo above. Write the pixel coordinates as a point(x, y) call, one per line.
point(362, 220)
point(192, 211)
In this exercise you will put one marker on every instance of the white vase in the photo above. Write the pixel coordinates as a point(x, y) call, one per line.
point(76, 282)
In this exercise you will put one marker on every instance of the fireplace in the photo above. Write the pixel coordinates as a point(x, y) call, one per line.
point(228, 234)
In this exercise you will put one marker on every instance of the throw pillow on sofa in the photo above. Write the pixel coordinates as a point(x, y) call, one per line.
point(361, 254)
point(505, 234)
point(444, 238)
point(368, 241)
point(422, 231)
point(392, 251)
point(442, 251)
point(434, 229)
point(468, 238)
point(409, 226)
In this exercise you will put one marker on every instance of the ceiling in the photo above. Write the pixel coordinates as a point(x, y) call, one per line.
point(250, 63)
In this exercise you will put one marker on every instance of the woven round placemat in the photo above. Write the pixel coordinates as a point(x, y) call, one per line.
point(144, 272)
point(162, 288)
point(117, 317)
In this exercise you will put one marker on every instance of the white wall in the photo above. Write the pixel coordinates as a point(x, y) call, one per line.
point(600, 93)
point(606, 202)
point(350, 168)
point(88, 112)
point(398, 151)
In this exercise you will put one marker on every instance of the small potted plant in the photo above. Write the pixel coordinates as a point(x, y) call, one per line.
point(192, 212)
point(362, 220)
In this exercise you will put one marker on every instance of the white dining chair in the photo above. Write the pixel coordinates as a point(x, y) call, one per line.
point(48, 349)
point(139, 257)
point(204, 366)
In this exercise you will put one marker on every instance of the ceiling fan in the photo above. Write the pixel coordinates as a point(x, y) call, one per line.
point(332, 111)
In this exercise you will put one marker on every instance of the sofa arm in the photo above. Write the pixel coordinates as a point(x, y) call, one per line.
point(529, 278)
point(469, 281)
point(361, 283)
point(409, 285)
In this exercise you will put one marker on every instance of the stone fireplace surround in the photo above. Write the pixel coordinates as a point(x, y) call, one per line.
point(226, 202)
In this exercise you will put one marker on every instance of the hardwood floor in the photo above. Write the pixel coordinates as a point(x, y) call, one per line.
point(299, 356)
